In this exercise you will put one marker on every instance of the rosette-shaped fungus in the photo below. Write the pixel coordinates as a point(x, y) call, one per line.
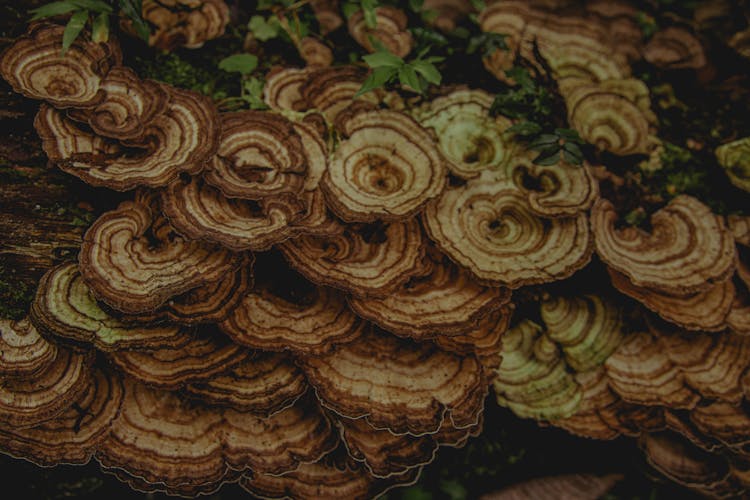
point(444, 300)
point(488, 226)
point(35, 67)
point(187, 23)
point(181, 138)
point(168, 443)
point(390, 30)
point(133, 260)
point(65, 307)
point(397, 384)
point(735, 158)
point(386, 167)
point(687, 250)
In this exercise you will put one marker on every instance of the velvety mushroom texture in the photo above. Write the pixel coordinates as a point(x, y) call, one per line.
point(34, 67)
point(23, 352)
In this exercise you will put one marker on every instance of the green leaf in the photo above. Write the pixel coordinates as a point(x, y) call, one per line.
point(543, 141)
point(573, 153)
point(383, 59)
point(378, 78)
point(569, 134)
point(408, 76)
point(100, 28)
point(132, 9)
point(73, 28)
point(546, 160)
point(93, 5)
point(525, 129)
point(239, 63)
point(478, 5)
point(416, 5)
point(51, 9)
point(428, 71)
point(368, 9)
point(349, 9)
point(253, 94)
point(263, 29)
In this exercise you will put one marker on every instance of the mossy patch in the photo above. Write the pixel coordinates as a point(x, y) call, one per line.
point(15, 295)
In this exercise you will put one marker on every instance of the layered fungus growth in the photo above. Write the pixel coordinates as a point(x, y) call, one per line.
point(311, 297)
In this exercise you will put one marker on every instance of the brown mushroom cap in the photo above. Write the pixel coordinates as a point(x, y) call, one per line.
point(675, 47)
point(327, 14)
point(182, 447)
point(687, 250)
point(386, 168)
point(579, 486)
point(282, 91)
point(29, 402)
point(293, 317)
point(445, 300)
point(332, 90)
point(199, 359)
point(65, 307)
point(390, 30)
point(365, 259)
point(485, 340)
point(264, 384)
point(336, 476)
point(72, 436)
point(260, 154)
point(185, 22)
point(34, 67)
point(488, 226)
point(182, 138)
point(132, 260)
point(378, 376)
point(23, 352)
point(705, 310)
point(129, 105)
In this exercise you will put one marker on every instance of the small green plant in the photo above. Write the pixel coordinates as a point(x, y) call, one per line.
point(388, 68)
point(368, 10)
point(251, 90)
point(487, 42)
point(95, 11)
point(563, 144)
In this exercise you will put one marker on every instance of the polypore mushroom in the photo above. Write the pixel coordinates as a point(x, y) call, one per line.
point(133, 260)
point(445, 300)
point(187, 23)
point(735, 158)
point(488, 226)
point(35, 67)
point(180, 139)
point(185, 448)
point(23, 352)
point(315, 53)
point(282, 90)
point(198, 359)
point(390, 30)
point(385, 167)
point(675, 47)
point(129, 105)
point(327, 14)
point(579, 486)
point(687, 250)
point(378, 377)
point(65, 307)
point(264, 384)
point(294, 317)
point(72, 436)
point(365, 259)
point(332, 90)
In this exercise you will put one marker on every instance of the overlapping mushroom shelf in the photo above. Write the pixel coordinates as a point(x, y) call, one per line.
point(311, 300)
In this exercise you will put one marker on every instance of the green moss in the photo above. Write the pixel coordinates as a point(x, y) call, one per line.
point(15, 296)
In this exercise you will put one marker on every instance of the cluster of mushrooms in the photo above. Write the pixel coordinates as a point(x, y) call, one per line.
point(312, 299)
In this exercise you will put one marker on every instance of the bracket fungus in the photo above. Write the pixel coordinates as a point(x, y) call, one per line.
point(188, 23)
point(23, 352)
point(389, 30)
point(735, 158)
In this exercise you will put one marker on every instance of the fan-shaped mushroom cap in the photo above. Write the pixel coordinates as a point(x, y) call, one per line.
point(72, 436)
point(365, 259)
point(488, 226)
point(260, 154)
point(507, 18)
point(614, 115)
point(23, 352)
point(470, 140)
point(282, 91)
point(484, 340)
point(377, 377)
point(132, 260)
point(386, 168)
point(327, 14)
point(675, 47)
point(65, 307)
point(27, 402)
point(185, 22)
point(740, 42)
point(641, 372)
point(332, 90)
point(337, 476)
point(35, 67)
point(315, 53)
point(182, 138)
point(572, 63)
point(704, 310)
point(687, 250)
point(129, 105)
point(293, 317)
point(725, 422)
point(445, 300)
point(186, 448)
point(735, 158)
point(264, 384)
point(390, 30)
point(200, 358)
point(579, 486)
